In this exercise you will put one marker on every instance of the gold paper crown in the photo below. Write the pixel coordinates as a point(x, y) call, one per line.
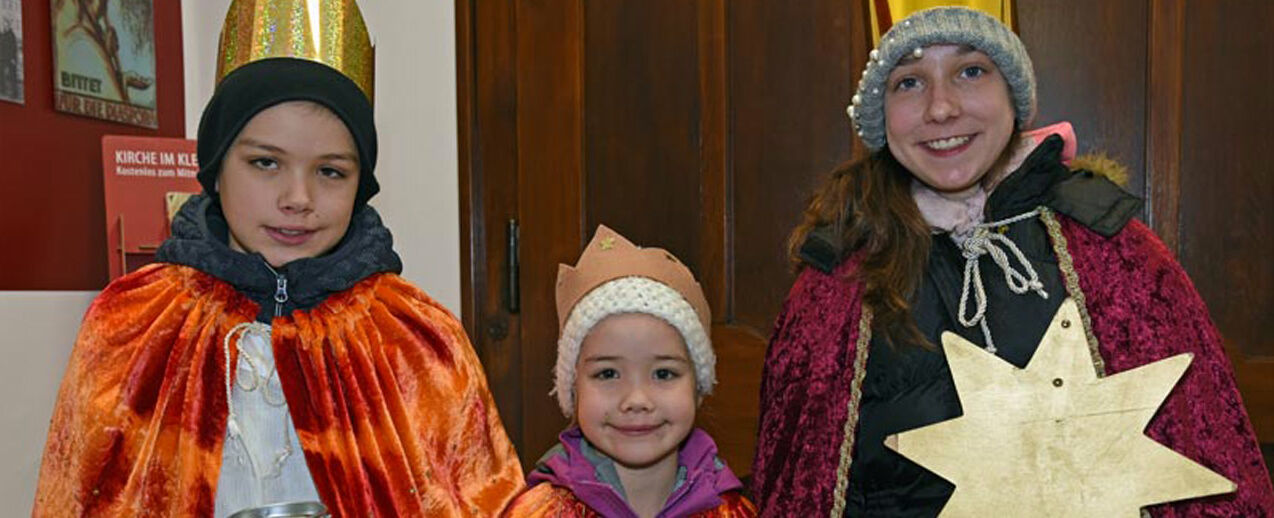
point(885, 12)
point(610, 256)
point(331, 32)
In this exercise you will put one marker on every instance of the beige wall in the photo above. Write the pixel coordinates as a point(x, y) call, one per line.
point(38, 329)
point(416, 118)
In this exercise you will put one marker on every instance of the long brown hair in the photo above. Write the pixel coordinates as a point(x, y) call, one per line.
point(868, 204)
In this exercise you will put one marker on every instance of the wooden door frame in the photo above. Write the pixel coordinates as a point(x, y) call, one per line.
point(483, 189)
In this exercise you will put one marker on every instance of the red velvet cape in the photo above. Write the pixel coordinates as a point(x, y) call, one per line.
point(389, 401)
point(1142, 308)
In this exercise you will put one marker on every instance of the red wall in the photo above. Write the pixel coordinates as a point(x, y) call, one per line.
point(52, 229)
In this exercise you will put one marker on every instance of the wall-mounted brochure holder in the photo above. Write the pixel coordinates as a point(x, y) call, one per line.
point(145, 181)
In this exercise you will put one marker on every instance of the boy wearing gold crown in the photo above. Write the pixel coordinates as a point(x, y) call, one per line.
point(274, 355)
point(634, 361)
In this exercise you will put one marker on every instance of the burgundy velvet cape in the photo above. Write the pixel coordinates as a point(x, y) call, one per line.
point(1141, 307)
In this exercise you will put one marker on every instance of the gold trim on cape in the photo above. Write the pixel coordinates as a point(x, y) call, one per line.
point(851, 419)
point(1071, 279)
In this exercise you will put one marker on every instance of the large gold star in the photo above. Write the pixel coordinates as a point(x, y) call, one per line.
point(1054, 439)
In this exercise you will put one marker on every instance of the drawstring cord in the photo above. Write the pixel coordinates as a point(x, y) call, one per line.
point(984, 241)
point(240, 329)
point(234, 432)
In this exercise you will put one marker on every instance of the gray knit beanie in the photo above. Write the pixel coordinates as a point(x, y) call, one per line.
point(941, 26)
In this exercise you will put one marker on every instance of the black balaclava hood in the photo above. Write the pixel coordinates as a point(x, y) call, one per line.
point(259, 85)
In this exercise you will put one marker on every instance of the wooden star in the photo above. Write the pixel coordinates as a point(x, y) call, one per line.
point(1053, 439)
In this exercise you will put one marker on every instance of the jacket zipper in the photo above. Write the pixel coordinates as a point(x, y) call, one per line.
point(280, 291)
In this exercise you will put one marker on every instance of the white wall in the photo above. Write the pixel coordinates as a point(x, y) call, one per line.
point(419, 200)
point(38, 328)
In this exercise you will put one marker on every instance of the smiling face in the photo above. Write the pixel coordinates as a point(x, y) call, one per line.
point(948, 116)
point(288, 183)
point(635, 390)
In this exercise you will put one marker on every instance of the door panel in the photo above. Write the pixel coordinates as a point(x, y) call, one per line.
point(789, 85)
point(1227, 185)
point(641, 120)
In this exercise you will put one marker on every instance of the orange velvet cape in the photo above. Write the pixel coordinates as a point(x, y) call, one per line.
point(389, 401)
point(550, 501)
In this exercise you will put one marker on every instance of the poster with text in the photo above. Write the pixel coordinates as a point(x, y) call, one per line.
point(11, 86)
point(104, 60)
point(145, 180)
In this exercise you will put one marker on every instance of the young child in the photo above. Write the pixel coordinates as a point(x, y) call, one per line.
point(274, 354)
point(633, 363)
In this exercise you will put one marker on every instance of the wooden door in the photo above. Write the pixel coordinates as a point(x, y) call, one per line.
point(1214, 208)
point(702, 127)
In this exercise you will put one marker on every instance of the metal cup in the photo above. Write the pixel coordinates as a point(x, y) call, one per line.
point(285, 510)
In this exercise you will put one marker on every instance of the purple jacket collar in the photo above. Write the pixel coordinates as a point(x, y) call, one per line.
point(702, 476)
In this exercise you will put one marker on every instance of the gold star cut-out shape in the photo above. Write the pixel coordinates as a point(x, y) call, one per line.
point(607, 243)
point(1053, 439)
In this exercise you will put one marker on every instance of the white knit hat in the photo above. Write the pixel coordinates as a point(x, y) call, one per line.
point(614, 276)
point(631, 295)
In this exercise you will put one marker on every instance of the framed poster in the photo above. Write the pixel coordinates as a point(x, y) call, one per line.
point(104, 60)
point(11, 85)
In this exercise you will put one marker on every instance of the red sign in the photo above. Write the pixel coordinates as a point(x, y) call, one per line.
point(145, 180)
